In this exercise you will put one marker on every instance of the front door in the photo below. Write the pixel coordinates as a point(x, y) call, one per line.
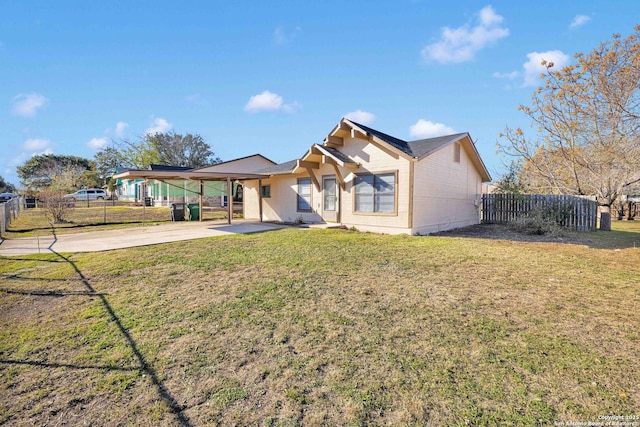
point(330, 199)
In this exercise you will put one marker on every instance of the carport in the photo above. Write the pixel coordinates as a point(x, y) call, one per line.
point(198, 176)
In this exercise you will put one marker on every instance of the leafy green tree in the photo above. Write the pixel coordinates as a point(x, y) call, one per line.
point(108, 160)
point(45, 170)
point(170, 148)
point(182, 150)
point(6, 187)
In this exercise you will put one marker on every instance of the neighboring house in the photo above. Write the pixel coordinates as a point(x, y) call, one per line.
point(363, 178)
point(163, 192)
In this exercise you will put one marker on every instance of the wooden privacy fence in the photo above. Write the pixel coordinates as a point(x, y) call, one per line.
point(572, 212)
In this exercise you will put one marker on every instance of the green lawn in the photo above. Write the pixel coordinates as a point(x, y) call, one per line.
point(325, 327)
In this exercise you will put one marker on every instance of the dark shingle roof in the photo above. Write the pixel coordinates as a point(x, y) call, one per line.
point(398, 143)
point(422, 147)
point(280, 168)
point(416, 148)
point(168, 168)
point(337, 154)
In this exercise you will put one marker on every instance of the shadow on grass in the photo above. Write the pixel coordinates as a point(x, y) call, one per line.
point(163, 392)
point(66, 365)
point(616, 239)
point(47, 293)
point(144, 366)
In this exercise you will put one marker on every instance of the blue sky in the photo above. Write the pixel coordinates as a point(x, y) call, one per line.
point(275, 77)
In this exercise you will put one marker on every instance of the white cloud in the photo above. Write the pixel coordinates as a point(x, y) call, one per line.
point(36, 145)
point(462, 43)
point(159, 125)
point(362, 117)
point(27, 105)
point(280, 36)
point(579, 21)
point(97, 143)
point(533, 68)
point(509, 76)
point(269, 101)
point(265, 101)
point(428, 129)
point(121, 127)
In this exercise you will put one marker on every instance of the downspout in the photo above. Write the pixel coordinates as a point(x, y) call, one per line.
point(411, 167)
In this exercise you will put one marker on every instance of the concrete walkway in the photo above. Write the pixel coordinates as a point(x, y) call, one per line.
point(128, 237)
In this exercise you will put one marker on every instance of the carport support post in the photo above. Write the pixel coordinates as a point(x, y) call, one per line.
point(229, 200)
point(200, 197)
point(144, 208)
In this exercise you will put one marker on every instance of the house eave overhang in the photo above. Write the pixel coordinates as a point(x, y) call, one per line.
point(347, 129)
point(185, 175)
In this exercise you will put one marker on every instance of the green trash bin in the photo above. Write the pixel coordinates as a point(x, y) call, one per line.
point(194, 211)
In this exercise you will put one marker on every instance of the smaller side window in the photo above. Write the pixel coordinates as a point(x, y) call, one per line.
point(265, 191)
point(304, 194)
point(456, 152)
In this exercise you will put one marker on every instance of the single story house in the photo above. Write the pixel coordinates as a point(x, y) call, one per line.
point(360, 177)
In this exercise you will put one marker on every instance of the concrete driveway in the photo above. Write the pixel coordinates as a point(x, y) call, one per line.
point(128, 237)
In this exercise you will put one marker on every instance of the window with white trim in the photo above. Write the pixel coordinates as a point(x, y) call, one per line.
point(375, 193)
point(304, 194)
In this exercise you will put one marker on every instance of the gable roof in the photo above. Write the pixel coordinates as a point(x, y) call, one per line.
point(343, 158)
point(282, 168)
point(418, 148)
point(216, 165)
point(421, 148)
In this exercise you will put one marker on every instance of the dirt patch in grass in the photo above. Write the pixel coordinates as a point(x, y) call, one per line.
point(324, 327)
point(625, 234)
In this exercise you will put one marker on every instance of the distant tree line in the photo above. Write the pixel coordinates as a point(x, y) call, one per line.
point(69, 173)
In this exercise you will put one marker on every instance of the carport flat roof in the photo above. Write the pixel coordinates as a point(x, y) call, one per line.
point(185, 175)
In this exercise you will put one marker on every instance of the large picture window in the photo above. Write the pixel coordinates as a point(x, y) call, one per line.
point(375, 193)
point(304, 194)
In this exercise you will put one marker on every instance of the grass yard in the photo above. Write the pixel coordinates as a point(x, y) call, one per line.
point(34, 222)
point(325, 327)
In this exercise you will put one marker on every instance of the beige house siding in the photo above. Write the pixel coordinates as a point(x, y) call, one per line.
point(440, 191)
point(283, 203)
point(244, 165)
point(251, 200)
point(446, 193)
point(373, 159)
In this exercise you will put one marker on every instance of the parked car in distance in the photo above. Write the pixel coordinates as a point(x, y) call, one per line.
point(5, 197)
point(88, 194)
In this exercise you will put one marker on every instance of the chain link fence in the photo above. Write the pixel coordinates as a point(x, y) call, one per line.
point(9, 211)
